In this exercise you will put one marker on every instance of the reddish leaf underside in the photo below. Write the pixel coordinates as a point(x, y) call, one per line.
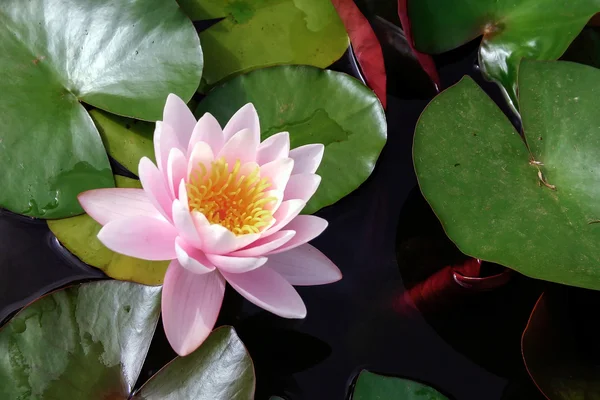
point(425, 60)
point(366, 46)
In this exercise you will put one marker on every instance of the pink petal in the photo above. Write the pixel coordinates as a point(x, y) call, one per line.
point(201, 154)
point(183, 221)
point(176, 170)
point(307, 227)
point(269, 290)
point(278, 172)
point(154, 185)
point(164, 140)
point(192, 259)
point(140, 237)
point(105, 205)
point(216, 239)
point(179, 117)
point(242, 146)
point(245, 118)
point(274, 147)
point(183, 194)
point(236, 265)
point(307, 158)
point(287, 211)
point(207, 130)
point(265, 245)
point(190, 306)
point(304, 266)
point(302, 186)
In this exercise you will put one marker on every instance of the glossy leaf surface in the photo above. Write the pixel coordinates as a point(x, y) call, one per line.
point(370, 386)
point(314, 106)
point(532, 208)
point(511, 29)
point(123, 57)
point(220, 369)
point(84, 342)
point(256, 34)
point(79, 235)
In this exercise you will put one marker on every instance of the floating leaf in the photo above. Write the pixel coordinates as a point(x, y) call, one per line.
point(126, 140)
point(79, 235)
point(511, 29)
point(585, 49)
point(220, 369)
point(365, 45)
point(256, 34)
point(370, 386)
point(560, 347)
point(55, 54)
point(532, 208)
point(85, 342)
point(314, 106)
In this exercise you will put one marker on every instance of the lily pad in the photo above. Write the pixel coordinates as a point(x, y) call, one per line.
point(57, 54)
point(90, 341)
point(314, 106)
point(255, 34)
point(530, 207)
point(220, 369)
point(560, 344)
point(84, 342)
point(370, 386)
point(511, 29)
point(79, 235)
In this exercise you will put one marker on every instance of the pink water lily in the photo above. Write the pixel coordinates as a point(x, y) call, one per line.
point(224, 207)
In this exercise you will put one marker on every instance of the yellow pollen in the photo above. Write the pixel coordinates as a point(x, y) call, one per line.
point(238, 202)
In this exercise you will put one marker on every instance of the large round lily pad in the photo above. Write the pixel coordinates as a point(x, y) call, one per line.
point(80, 236)
point(531, 208)
point(314, 106)
point(254, 34)
point(85, 342)
point(90, 342)
point(123, 57)
point(511, 29)
point(370, 386)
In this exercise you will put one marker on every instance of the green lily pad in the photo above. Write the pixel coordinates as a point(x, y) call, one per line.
point(370, 386)
point(220, 369)
point(84, 342)
point(314, 106)
point(90, 341)
point(531, 208)
point(126, 140)
point(260, 33)
point(79, 235)
point(511, 29)
point(57, 54)
point(559, 344)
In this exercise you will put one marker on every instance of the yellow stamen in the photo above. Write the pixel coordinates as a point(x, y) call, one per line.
point(238, 202)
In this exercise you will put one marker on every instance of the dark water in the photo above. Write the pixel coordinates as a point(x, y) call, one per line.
point(468, 347)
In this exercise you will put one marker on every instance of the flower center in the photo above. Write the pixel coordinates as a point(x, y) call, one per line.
point(238, 202)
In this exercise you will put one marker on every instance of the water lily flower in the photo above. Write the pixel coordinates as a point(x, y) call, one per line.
point(224, 207)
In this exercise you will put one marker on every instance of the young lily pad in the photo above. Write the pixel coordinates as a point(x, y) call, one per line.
point(255, 34)
point(90, 341)
point(220, 369)
point(57, 54)
point(532, 208)
point(511, 29)
point(84, 342)
point(559, 344)
point(370, 386)
point(314, 106)
point(79, 235)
